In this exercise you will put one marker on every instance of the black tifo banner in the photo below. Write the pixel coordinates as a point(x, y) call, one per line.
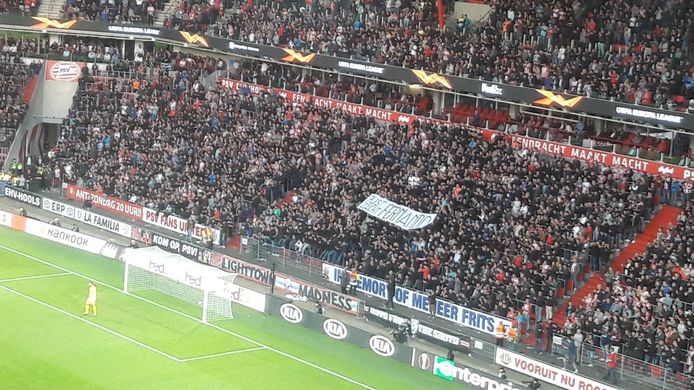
point(338, 330)
point(420, 329)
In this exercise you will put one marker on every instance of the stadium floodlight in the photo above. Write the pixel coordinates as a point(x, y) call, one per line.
point(154, 269)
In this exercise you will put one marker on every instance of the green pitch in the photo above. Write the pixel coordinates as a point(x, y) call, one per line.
point(152, 341)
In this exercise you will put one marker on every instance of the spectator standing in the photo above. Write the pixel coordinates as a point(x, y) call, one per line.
point(499, 334)
point(539, 333)
point(353, 281)
point(612, 365)
point(571, 355)
point(578, 342)
point(575, 271)
point(432, 304)
point(391, 289)
point(344, 281)
point(540, 303)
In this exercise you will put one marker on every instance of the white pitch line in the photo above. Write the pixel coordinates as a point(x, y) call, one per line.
point(34, 277)
point(214, 355)
point(94, 324)
point(242, 337)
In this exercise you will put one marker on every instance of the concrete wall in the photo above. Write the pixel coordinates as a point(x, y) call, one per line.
point(50, 103)
point(474, 11)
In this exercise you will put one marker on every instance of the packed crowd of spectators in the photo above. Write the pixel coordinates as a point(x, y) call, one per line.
point(16, 48)
point(20, 6)
point(628, 140)
point(647, 310)
point(194, 15)
point(507, 224)
point(636, 51)
point(116, 11)
point(89, 50)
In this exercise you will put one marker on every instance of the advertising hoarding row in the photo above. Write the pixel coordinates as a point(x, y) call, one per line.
point(138, 213)
point(551, 374)
point(416, 300)
point(419, 329)
point(338, 330)
point(458, 372)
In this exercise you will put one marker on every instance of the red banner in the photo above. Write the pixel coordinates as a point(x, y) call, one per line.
point(102, 201)
point(352, 108)
point(598, 157)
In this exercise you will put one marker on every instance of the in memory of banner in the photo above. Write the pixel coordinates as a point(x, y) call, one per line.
point(396, 214)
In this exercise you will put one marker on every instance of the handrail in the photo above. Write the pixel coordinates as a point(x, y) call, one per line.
point(658, 376)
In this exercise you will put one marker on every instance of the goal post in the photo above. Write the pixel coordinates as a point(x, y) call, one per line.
point(173, 275)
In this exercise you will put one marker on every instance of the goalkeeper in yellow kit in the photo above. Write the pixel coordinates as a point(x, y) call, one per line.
point(91, 300)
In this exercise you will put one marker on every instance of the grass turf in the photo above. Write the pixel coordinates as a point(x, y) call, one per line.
point(134, 344)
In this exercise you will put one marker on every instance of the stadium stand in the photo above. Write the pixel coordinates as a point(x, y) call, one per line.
point(162, 139)
point(628, 141)
point(641, 54)
point(137, 11)
point(645, 305)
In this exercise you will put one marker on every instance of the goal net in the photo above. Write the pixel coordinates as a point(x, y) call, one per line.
point(155, 269)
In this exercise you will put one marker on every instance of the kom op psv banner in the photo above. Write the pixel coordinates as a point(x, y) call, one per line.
point(483, 322)
point(396, 214)
point(547, 373)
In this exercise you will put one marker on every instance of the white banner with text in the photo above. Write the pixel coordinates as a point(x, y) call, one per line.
point(396, 214)
point(419, 301)
point(547, 373)
point(176, 224)
point(87, 217)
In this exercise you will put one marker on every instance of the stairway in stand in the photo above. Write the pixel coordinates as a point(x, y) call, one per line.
point(666, 217)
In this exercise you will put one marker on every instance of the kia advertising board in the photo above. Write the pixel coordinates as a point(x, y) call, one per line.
point(337, 330)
